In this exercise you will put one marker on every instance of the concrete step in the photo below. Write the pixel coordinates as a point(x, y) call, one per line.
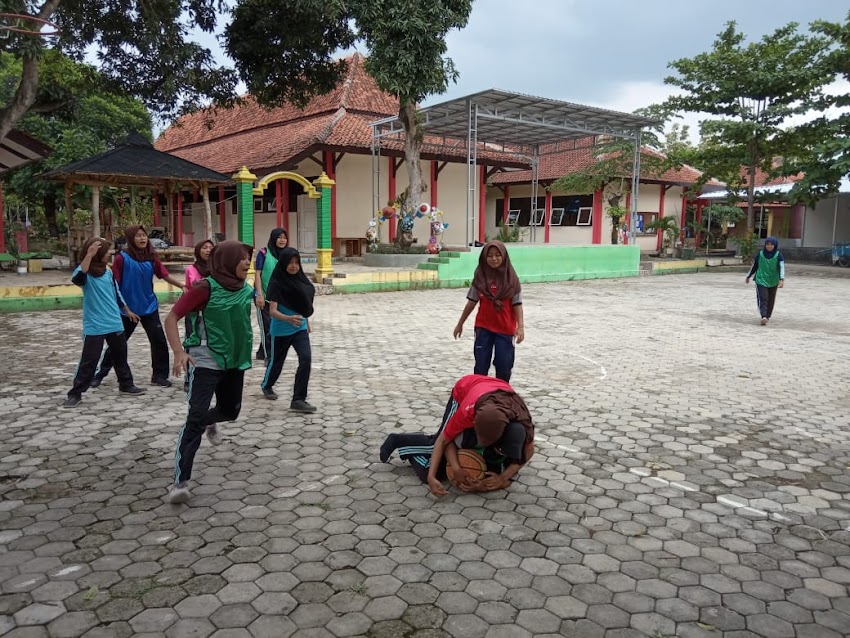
point(429, 266)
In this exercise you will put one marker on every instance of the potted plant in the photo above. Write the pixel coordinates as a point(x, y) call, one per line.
point(670, 232)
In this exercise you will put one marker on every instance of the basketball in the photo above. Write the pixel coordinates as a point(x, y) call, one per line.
point(471, 462)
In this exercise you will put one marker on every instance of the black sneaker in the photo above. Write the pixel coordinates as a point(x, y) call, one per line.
point(95, 383)
point(261, 356)
point(302, 406)
point(165, 383)
point(133, 390)
point(72, 401)
point(269, 394)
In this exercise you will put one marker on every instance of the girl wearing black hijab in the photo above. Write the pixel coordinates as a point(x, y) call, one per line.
point(264, 265)
point(290, 296)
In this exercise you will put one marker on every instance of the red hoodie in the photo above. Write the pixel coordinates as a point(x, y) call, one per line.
point(466, 392)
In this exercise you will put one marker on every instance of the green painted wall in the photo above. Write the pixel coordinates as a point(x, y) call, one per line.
point(546, 263)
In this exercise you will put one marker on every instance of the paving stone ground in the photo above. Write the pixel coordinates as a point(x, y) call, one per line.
point(692, 479)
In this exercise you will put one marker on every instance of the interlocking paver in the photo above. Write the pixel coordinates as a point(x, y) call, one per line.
point(630, 519)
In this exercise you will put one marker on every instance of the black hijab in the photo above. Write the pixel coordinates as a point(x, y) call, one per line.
point(296, 292)
point(272, 245)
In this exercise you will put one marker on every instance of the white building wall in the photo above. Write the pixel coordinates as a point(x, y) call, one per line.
point(819, 222)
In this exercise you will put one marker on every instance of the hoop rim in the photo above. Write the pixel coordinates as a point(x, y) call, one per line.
point(29, 18)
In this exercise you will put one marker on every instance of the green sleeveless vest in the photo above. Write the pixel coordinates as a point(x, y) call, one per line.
point(767, 274)
point(227, 322)
point(268, 268)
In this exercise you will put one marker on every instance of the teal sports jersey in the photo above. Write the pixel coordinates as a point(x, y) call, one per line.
point(101, 303)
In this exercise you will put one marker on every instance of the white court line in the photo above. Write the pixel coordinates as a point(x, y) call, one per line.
point(644, 473)
point(596, 363)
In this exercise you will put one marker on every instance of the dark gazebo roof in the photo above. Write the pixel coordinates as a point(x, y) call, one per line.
point(135, 163)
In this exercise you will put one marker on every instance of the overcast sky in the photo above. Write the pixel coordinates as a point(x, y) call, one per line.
point(608, 53)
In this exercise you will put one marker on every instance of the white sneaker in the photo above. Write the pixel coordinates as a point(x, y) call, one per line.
point(764, 321)
point(178, 495)
point(213, 435)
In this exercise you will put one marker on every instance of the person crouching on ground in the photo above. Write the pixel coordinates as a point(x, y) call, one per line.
point(483, 414)
point(102, 303)
point(215, 356)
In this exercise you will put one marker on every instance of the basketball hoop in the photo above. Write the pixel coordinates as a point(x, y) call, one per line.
point(17, 23)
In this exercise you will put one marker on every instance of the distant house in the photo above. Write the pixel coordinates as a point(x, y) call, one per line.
point(334, 134)
point(570, 218)
point(795, 226)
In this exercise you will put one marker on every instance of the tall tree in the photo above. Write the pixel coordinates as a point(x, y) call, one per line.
point(749, 92)
point(826, 159)
point(76, 120)
point(284, 52)
point(143, 46)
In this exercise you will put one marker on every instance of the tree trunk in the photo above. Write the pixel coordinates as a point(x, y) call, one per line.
point(24, 97)
point(205, 191)
point(49, 203)
point(615, 224)
point(95, 210)
point(412, 151)
point(751, 198)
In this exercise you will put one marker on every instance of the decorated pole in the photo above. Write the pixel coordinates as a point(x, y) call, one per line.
point(324, 252)
point(245, 204)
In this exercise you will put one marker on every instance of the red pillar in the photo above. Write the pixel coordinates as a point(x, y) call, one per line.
point(278, 196)
point(596, 221)
point(698, 219)
point(506, 206)
point(547, 216)
point(179, 219)
point(659, 241)
point(684, 214)
point(330, 169)
point(156, 208)
point(222, 212)
point(2, 223)
point(482, 203)
point(391, 195)
point(434, 183)
point(284, 191)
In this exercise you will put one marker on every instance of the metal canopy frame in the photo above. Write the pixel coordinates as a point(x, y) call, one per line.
point(513, 124)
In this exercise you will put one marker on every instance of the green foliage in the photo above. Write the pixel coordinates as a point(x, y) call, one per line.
point(395, 249)
point(750, 91)
point(747, 246)
point(827, 156)
point(510, 234)
point(146, 49)
point(617, 212)
point(723, 213)
point(285, 50)
point(669, 229)
point(88, 122)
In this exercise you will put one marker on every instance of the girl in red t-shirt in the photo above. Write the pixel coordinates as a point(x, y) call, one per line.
point(499, 319)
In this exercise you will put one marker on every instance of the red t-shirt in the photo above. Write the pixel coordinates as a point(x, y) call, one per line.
point(489, 317)
point(193, 301)
point(466, 392)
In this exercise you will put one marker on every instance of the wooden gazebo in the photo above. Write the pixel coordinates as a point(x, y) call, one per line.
point(136, 163)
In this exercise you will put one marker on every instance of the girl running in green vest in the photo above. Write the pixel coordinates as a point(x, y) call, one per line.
point(216, 354)
point(769, 269)
point(264, 264)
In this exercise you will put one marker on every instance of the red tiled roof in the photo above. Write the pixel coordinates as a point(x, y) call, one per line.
point(557, 163)
point(263, 139)
point(764, 179)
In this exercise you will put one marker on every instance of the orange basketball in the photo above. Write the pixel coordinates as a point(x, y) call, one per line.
point(471, 462)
